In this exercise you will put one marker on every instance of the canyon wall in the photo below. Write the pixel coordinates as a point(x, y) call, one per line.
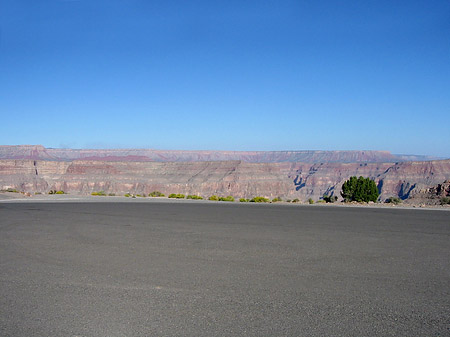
point(288, 180)
point(38, 152)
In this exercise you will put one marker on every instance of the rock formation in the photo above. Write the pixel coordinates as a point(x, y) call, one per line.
point(287, 180)
point(38, 152)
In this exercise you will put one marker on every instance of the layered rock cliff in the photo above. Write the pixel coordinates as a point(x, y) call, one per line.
point(38, 152)
point(288, 180)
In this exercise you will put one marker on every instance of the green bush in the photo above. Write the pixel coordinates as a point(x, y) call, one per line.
point(445, 201)
point(228, 198)
point(330, 198)
point(244, 200)
point(296, 200)
point(320, 201)
point(13, 190)
point(112, 194)
point(127, 195)
point(156, 194)
point(310, 201)
point(277, 199)
point(393, 200)
point(360, 190)
point(59, 192)
point(214, 198)
point(100, 193)
point(176, 196)
point(194, 197)
point(259, 199)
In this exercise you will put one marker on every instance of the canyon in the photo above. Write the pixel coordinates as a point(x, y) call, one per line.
point(35, 169)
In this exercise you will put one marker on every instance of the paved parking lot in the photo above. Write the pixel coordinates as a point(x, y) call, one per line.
point(209, 269)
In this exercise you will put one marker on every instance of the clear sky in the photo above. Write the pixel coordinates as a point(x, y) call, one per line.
point(226, 75)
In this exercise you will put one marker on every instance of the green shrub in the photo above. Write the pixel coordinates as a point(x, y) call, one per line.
point(393, 200)
point(156, 194)
point(277, 199)
point(176, 196)
point(228, 198)
point(310, 201)
point(13, 190)
point(330, 198)
point(100, 193)
point(445, 201)
point(320, 201)
point(194, 197)
point(296, 200)
point(37, 193)
point(360, 190)
point(259, 199)
point(244, 200)
point(127, 195)
point(112, 194)
point(214, 198)
point(59, 192)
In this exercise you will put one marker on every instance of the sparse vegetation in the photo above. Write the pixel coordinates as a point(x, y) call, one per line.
point(244, 200)
point(445, 201)
point(112, 194)
point(277, 199)
point(330, 198)
point(259, 199)
point(214, 198)
point(310, 201)
point(359, 189)
point(99, 193)
point(194, 197)
point(296, 200)
point(393, 200)
point(320, 201)
point(56, 192)
point(12, 190)
point(155, 194)
point(127, 195)
point(176, 196)
point(227, 198)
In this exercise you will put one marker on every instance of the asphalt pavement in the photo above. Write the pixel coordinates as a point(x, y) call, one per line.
point(222, 269)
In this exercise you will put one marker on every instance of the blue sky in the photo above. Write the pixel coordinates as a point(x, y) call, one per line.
point(226, 75)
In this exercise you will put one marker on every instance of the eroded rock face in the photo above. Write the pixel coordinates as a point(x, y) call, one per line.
point(237, 178)
point(431, 195)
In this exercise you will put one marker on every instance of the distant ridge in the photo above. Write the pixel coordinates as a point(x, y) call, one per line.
point(39, 152)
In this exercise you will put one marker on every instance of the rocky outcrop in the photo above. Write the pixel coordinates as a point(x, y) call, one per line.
point(431, 195)
point(237, 178)
point(38, 152)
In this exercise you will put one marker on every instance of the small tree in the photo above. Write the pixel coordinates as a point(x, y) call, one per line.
point(359, 189)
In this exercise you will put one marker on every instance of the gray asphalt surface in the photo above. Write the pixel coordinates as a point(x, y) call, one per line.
point(188, 269)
